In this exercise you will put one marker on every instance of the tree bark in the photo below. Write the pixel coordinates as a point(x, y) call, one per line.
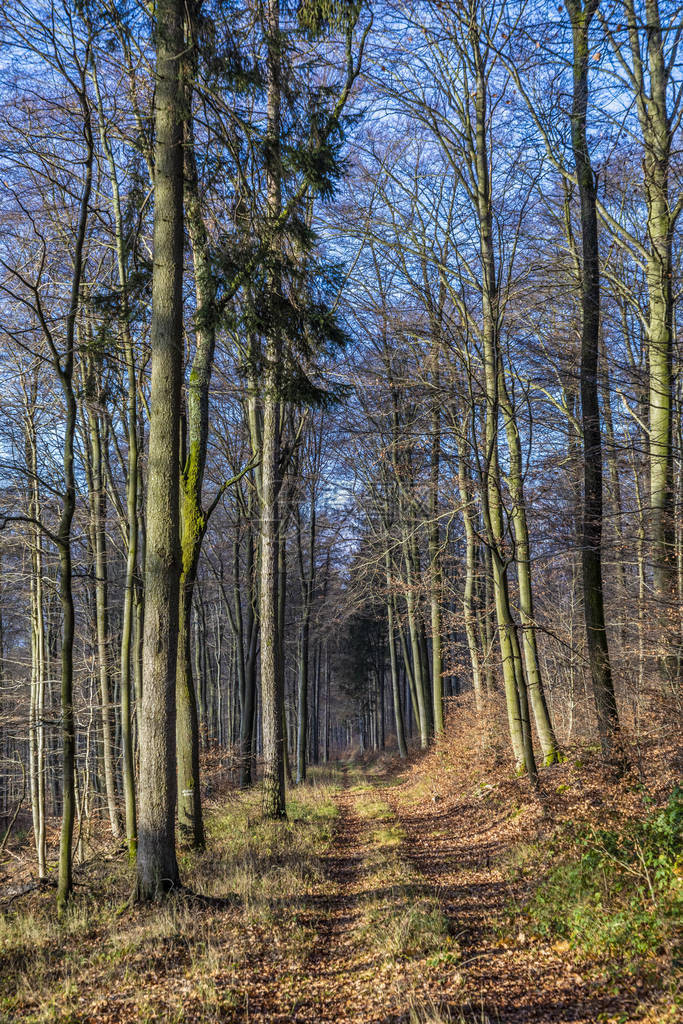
point(157, 867)
point(513, 675)
point(581, 15)
point(272, 697)
point(193, 516)
point(64, 366)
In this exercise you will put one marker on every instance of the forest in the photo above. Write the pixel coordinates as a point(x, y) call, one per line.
point(341, 511)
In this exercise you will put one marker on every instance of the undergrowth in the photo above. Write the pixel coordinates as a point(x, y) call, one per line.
point(614, 894)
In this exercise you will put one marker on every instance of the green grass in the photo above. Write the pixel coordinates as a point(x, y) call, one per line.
point(407, 925)
point(391, 835)
point(375, 810)
point(400, 921)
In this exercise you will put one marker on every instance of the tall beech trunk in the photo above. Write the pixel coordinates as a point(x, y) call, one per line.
point(395, 688)
point(657, 131)
point(157, 867)
point(435, 582)
point(38, 652)
point(139, 589)
point(64, 367)
point(248, 700)
point(416, 653)
point(409, 549)
point(285, 512)
point(272, 697)
point(65, 879)
point(544, 728)
point(131, 582)
point(192, 515)
point(470, 588)
point(248, 697)
point(581, 15)
point(98, 538)
point(328, 674)
point(407, 667)
point(133, 470)
point(513, 673)
point(245, 632)
point(618, 560)
point(307, 578)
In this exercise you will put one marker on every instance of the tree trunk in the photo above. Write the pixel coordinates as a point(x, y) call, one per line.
point(272, 697)
point(307, 578)
point(64, 366)
point(98, 531)
point(133, 470)
point(513, 675)
point(435, 590)
point(38, 654)
point(544, 728)
point(469, 592)
point(157, 867)
point(192, 515)
point(598, 652)
point(395, 689)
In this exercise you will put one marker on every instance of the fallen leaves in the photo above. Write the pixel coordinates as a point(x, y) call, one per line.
point(295, 948)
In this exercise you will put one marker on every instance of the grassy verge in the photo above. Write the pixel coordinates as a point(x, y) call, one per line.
point(182, 960)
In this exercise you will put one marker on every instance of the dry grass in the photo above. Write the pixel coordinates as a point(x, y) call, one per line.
point(400, 918)
point(401, 911)
point(488, 846)
point(180, 960)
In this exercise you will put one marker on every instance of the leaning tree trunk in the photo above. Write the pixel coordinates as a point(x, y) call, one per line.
point(157, 867)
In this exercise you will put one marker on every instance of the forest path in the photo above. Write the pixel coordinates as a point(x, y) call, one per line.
point(333, 977)
point(460, 845)
point(343, 981)
point(379, 901)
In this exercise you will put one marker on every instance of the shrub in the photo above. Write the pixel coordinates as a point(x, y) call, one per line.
point(617, 893)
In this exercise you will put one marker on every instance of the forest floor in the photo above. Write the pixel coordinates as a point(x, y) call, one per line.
point(426, 893)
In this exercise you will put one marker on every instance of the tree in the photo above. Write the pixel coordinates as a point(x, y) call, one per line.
point(647, 58)
point(581, 16)
point(157, 867)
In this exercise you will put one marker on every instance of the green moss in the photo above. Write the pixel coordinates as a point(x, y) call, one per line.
point(192, 514)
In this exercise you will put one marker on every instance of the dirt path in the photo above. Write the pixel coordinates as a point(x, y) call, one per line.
point(394, 918)
point(457, 847)
point(340, 983)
